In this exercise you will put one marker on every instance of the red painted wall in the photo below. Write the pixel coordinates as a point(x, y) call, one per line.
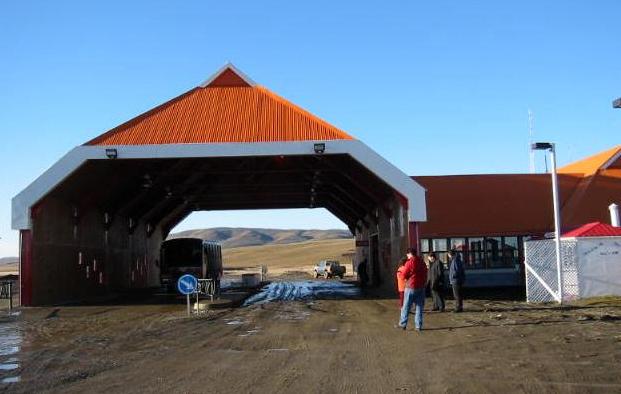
point(414, 235)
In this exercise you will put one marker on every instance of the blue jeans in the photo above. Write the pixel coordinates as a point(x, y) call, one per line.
point(413, 296)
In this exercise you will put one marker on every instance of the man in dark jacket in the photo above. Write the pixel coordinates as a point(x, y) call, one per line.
point(436, 282)
point(457, 277)
point(415, 274)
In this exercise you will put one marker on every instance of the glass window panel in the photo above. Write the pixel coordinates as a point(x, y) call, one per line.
point(424, 245)
point(493, 247)
point(475, 255)
point(511, 252)
point(439, 244)
point(458, 244)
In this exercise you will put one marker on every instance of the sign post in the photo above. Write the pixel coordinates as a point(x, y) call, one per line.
point(187, 285)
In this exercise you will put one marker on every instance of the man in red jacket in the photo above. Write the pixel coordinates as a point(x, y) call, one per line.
point(415, 274)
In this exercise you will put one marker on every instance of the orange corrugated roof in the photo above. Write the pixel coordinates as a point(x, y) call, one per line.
point(591, 164)
point(228, 109)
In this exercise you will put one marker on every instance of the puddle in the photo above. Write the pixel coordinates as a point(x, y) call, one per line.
point(10, 339)
point(303, 291)
point(10, 345)
point(249, 333)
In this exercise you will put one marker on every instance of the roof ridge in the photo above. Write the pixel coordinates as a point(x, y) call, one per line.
point(221, 71)
point(222, 113)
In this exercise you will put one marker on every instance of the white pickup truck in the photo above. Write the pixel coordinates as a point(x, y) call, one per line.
point(329, 269)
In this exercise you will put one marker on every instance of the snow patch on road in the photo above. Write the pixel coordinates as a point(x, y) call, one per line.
point(303, 290)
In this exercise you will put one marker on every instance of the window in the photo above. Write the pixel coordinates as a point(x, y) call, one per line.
point(493, 246)
point(439, 244)
point(478, 252)
point(475, 255)
point(458, 244)
point(511, 252)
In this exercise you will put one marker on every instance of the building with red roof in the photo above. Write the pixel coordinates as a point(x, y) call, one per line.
point(595, 229)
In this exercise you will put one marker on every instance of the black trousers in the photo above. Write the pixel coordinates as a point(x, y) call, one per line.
point(438, 298)
point(459, 300)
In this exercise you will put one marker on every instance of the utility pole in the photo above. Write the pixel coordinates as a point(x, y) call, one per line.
point(530, 142)
point(547, 146)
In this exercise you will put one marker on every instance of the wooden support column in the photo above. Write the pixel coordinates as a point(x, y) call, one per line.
point(25, 267)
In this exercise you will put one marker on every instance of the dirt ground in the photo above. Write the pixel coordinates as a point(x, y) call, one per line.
point(328, 346)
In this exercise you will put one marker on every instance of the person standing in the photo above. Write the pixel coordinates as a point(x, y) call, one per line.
point(363, 277)
point(401, 281)
point(457, 277)
point(436, 282)
point(415, 274)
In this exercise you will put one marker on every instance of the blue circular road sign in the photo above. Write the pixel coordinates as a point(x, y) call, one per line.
point(187, 284)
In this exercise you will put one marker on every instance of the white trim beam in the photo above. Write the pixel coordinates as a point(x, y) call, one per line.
point(391, 175)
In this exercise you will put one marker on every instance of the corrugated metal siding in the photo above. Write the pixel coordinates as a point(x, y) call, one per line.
point(495, 204)
point(222, 114)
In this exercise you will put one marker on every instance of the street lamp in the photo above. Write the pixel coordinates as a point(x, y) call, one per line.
point(616, 103)
point(557, 216)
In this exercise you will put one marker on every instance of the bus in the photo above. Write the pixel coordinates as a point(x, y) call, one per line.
point(180, 256)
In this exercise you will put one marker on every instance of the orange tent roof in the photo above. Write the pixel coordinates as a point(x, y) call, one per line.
point(599, 187)
point(592, 164)
point(227, 108)
point(592, 197)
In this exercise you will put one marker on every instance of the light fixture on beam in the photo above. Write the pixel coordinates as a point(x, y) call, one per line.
point(112, 153)
point(319, 148)
point(147, 182)
point(541, 146)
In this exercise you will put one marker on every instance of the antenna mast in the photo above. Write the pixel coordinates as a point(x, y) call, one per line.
point(530, 137)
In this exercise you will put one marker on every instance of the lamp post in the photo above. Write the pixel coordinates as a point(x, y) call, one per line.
point(557, 216)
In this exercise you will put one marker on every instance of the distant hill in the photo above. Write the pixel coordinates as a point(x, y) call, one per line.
point(9, 260)
point(299, 256)
point(239, 237)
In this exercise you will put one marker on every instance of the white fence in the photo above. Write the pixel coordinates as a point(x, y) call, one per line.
point(541, 271)
point(590, 267)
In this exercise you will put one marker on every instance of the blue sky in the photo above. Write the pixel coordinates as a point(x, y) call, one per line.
point(438, 87)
